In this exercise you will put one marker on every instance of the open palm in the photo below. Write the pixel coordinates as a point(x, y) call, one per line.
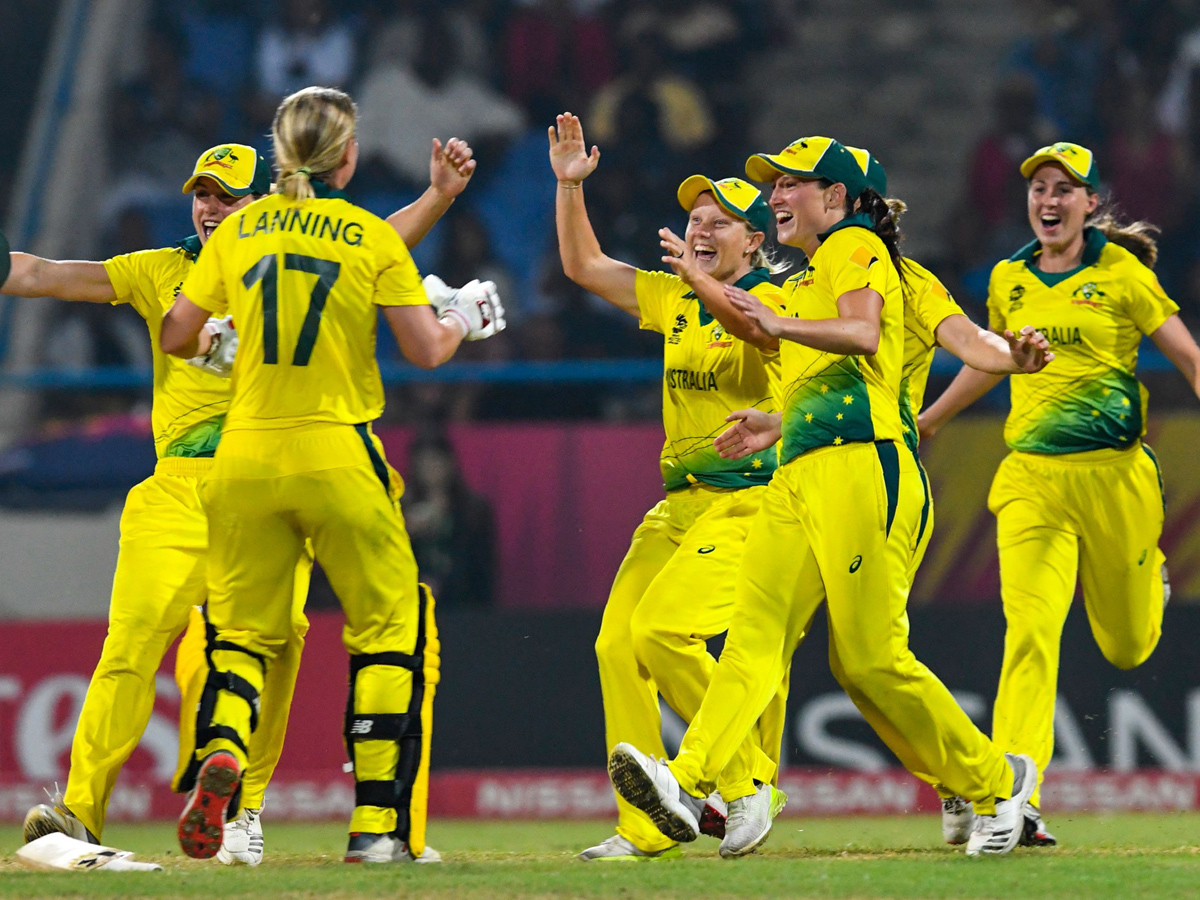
point(568, 152)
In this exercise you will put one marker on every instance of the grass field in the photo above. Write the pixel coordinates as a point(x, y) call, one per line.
point(1102, 857)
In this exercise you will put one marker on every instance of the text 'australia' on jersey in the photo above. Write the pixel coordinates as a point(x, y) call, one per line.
point(1094, 317)
point(302, 282)
point(189, 404)
point(707, 373)
point(927, 304)
point(829, 399)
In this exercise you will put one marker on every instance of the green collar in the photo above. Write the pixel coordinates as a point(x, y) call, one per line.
point(325, 192)
point(747, 282)
point(1093, 245)
point(858, 220)
point(191, 246)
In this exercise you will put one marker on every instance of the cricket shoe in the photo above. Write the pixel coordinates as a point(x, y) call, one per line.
point(750, 819)
point(619, 849)
point(368, 847)
point(243, 840)
point(712, 820)
point(54, 817)
point(1000, 833)
point(1035, 833)
point(651, 787)
point(958, 817)
point(202, 823)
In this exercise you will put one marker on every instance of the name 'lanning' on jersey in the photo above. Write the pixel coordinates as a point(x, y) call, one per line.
point(707, 373)
point(189, 404)
point(927, 304)
point(1094, 318)
point(302, 282)
point(829, 399)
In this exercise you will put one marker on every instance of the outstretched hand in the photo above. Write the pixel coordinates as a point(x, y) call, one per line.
point(451, 166)
point(754, 310)
point(569, 157)
point(1030, 350)
point(679, 255)
point(752, 432)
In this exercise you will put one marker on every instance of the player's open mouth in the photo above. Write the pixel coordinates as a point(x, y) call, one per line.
point(704, 252)
point(209, 226)
point(782, 216)
point(1051, 221)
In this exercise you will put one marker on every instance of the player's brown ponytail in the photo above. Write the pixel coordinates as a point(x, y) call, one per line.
point(311, 130)
point(1136, 237)
point(885, 222)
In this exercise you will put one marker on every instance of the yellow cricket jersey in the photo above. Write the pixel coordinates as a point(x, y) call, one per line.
point(927, 304)
point(189, 404)
point(828, 399)
point(302, 282)
point(707, 373)
point(1094, 318)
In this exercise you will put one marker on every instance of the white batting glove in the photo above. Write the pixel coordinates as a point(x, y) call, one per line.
point(475, 307)
point(221, 352)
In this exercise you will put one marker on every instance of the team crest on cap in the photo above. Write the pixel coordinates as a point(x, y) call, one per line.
point(216, 156)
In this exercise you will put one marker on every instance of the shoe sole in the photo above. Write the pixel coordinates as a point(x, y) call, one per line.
point(778, 802)
point(41, 821)
point(1028, 786)
point(637, 789)
point(712, 823)
point(662, 856)
point(202, 824)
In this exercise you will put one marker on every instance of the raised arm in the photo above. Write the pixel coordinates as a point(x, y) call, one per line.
point(582, 259)
point(855, 332)
point(183, 332)
point(967, 387)
point(985, 351)
point(424, 339)
point(681, 258)
point(450, 168)
point(1178, 345)
point(32, 276)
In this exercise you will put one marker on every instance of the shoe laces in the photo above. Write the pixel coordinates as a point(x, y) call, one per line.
point(736, 816)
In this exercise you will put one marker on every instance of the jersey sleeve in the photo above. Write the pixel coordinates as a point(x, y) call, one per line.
point(997, 321)
point(932, 305)
point(126, 273)
point(204, 285)
point(1147, 303)
point(655, 292)
point(853, 262)
point(399, 282)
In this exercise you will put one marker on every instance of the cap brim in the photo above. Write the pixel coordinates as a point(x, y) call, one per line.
point(1031, 165)
point(5, 259)
point(692, 188)
point(762, 167)
point(233, 191)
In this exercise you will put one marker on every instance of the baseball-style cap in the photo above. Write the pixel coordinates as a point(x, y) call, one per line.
point(239, 169)
point(736, 197)
point(810, 157)
point(1079, 162)
point(876, 177)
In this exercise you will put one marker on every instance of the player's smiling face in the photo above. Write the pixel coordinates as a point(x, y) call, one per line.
point(1058, 206)
point(211, 205)
point(800, 209)
point(721, 242)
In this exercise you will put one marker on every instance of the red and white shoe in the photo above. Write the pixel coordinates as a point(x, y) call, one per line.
point(202, 824)
point(1035, 833)
point(712, 819)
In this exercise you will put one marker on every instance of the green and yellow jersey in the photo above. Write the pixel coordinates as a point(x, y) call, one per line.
point(189, 404)
point(302, 281)
point(927, 304)
point(829, 399)
point(707, 373)
point(1094, 318)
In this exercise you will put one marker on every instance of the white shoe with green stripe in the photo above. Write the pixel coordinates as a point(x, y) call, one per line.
point(750, 820)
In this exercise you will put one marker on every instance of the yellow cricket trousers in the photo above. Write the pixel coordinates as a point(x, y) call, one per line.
point(160, 578)
point(673, 591)
point(269, 492)
point(838, 524)
point(1099, 515)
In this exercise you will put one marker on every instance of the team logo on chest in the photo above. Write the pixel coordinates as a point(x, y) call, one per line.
point(677, 329)
point(1088, 295)
point(719, 338)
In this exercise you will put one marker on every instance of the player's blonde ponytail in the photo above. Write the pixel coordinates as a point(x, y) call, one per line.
point(311, 130)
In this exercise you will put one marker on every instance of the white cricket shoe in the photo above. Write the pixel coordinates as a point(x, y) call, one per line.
point(958, 817)
point(428, 855)
point(750, 819)
point(1035, 833)
point(385, 848)
point(619, 849)
point(242, 841)
point(651, 787)
point(54, 817)
point(1001, 832)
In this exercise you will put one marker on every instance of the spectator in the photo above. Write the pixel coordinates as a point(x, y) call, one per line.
point(403, 108)
point(396, 35)
point(553, 49)
point(471, 256)
point(1144, 166)
point(309, 46)
point(452, 528)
